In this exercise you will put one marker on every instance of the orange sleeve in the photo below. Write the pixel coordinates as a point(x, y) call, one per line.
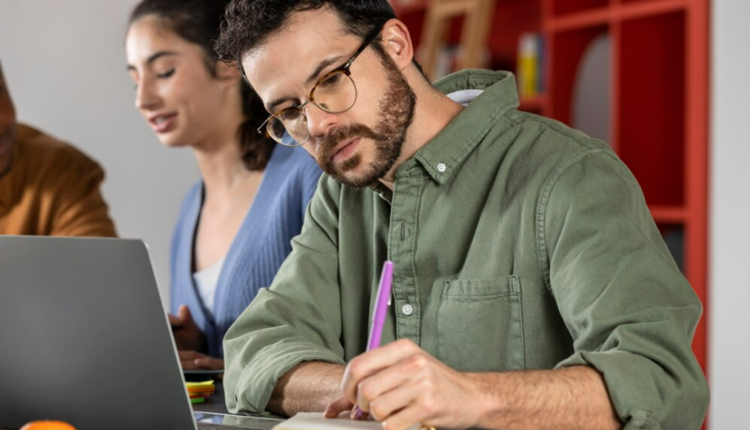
point(79, 208)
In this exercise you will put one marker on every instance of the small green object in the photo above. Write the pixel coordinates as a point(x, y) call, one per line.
point(197, 400)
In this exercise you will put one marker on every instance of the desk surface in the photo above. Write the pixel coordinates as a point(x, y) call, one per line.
point(216, 405)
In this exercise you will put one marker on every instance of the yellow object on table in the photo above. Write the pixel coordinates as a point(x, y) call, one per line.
point(200, 391)
point(200, 387)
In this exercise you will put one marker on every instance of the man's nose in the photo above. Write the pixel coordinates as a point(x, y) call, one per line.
point(319, 122)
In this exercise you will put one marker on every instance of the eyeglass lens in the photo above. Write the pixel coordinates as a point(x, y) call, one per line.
point(335, 93)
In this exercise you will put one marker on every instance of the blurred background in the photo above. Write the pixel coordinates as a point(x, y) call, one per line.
point(663, 81)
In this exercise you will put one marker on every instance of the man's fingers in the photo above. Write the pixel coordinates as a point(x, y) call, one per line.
point(405, 418)
point(337, 407)
point(389, 379)
point(388, 404)
point(373, 361)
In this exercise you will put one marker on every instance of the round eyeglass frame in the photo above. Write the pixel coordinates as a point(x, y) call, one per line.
point(269, 123)
point(343, 69)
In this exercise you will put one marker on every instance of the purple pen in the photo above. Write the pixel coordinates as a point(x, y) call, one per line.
point(382, 301)
point(381, 305)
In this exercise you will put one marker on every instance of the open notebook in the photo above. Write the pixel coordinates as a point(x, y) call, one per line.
point(315, 421)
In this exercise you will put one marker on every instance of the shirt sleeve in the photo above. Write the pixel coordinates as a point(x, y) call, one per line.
point(79, 208)
point(298, 319)
point(629, 310)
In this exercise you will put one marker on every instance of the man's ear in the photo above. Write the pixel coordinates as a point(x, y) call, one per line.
point(228, 73)
point(397, 42)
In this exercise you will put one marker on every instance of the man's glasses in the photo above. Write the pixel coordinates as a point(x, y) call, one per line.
point(334, 93)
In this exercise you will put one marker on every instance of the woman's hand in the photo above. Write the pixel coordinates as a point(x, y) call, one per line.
point(187, 335)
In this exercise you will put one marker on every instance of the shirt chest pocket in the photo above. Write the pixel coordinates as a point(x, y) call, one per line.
point(480, 325)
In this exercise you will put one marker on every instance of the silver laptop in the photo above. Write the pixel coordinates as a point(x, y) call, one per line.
point(84, 338)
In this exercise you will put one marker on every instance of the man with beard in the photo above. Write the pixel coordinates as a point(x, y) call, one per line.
point(531, 286)
point(47, 187)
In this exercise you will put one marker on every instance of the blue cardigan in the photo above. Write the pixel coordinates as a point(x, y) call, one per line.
point(257, 251)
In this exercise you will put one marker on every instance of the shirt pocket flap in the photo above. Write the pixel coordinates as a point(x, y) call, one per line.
point(480, 325)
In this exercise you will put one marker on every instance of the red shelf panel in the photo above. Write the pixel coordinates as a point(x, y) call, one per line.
point(569, 7)
point(669, 214)
point(512, 18)
point(646, 8)
point(652, 105)
point(533, 104)
point(581, 20)
point(403, 7)
point(566, 50)
point(604, 15)
point(644, 2)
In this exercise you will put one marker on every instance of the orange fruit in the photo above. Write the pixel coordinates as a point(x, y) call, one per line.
point(48, 425)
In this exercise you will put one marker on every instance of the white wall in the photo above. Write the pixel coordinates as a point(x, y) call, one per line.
point(729, 321)
point(64, 62)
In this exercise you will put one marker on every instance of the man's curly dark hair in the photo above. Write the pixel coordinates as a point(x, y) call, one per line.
point(249, 22)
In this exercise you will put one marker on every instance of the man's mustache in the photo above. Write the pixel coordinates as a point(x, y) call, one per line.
point(342, 134)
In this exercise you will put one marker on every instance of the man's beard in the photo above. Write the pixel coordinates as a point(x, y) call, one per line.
point(396, 114)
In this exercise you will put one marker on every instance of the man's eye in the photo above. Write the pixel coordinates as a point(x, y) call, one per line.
point(289, 115)
point(165, 74)
point(330, 80)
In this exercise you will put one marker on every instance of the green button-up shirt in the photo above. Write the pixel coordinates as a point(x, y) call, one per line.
point(517, 243)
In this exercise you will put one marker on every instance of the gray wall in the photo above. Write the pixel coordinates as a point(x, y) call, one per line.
point(729, 329)
point(65, 65)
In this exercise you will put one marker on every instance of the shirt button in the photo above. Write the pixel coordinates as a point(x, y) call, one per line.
point(441, 167)
point(407, 309)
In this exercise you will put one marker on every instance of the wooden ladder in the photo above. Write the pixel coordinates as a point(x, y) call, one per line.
point(478, 17)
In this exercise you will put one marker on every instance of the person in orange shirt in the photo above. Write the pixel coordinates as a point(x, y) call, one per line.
point(47, 187)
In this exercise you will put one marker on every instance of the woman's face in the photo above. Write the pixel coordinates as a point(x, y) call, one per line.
point(175, 92)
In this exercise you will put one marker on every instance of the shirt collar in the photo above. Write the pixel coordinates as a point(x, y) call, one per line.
point(489, 96)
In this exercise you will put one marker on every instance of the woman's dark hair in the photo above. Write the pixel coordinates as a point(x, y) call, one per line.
point(199, 22)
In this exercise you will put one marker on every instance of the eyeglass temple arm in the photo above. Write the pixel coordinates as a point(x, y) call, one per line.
point(368, 40)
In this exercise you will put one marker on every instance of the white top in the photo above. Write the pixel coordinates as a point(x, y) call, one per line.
point(206, 280)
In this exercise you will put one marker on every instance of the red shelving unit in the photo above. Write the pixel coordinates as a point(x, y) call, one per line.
point(659, 110)
point(658, 106)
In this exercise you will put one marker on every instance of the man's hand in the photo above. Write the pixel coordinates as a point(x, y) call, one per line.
point(192, 360)
point(186, 333)
point(401, 385)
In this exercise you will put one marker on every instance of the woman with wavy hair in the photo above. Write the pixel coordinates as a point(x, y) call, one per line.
point(235, 225)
